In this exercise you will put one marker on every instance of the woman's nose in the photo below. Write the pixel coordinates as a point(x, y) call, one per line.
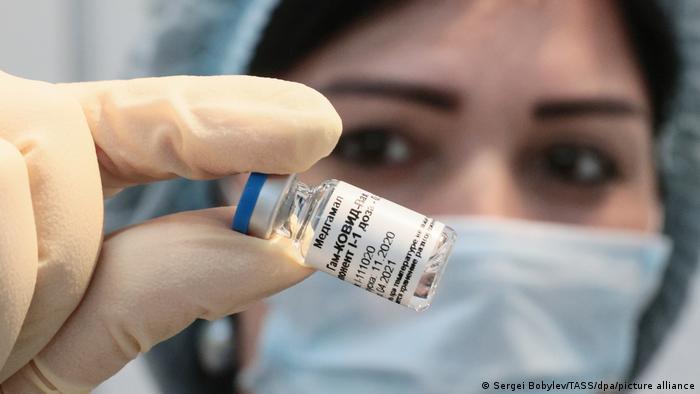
point(482, 184)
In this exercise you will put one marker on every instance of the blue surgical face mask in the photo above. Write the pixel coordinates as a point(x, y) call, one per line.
point(519, 301)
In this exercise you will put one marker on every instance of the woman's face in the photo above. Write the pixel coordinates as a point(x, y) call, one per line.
point(529, 109)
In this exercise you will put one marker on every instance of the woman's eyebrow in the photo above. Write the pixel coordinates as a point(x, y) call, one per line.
point(438, 98)
point(607, 106)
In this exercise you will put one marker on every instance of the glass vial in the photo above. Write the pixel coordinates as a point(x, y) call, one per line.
point(352, 234)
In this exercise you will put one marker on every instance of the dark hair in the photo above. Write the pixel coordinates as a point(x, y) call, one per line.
point(653, 40)
point(297, 27)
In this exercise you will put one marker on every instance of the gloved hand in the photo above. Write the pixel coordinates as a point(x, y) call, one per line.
point(63, 146)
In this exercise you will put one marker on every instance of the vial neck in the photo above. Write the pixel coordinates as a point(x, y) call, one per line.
point(292, 216)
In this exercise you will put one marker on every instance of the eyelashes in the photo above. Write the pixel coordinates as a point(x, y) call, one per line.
point(577, 164)
point(375, 147)
point(573, 163)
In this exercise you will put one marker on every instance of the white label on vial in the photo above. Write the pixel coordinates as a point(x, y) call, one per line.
point(373, 243)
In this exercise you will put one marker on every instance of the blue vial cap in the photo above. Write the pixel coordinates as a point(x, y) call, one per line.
point(262, 198)
point(246, 205)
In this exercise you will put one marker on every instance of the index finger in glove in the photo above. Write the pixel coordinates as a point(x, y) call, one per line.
point(204, 127)
point(18, 246)
point(139, 297)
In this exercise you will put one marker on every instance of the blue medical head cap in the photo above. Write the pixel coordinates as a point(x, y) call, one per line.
point(202, 37)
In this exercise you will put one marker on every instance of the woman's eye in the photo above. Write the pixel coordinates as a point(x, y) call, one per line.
point(579, 165)
point(373, 147)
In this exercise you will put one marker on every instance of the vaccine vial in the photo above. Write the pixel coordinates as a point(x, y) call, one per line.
point(354, 235)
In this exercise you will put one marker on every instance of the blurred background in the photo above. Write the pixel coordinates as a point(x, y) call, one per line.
point(81, 40)
point(70, 40)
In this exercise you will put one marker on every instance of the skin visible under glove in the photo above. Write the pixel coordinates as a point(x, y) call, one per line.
point(62, 147)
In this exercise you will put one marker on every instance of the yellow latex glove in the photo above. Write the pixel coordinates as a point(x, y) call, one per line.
point(62, 147)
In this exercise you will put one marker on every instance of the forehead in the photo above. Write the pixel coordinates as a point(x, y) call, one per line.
point(548, 46)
